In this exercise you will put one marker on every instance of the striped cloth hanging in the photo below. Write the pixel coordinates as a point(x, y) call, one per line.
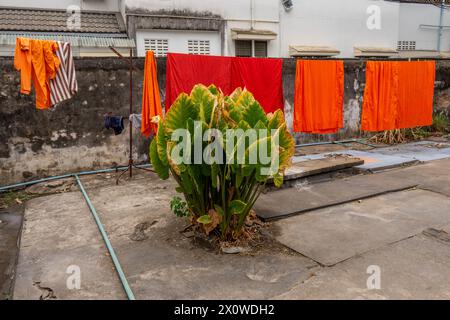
point(64, 86)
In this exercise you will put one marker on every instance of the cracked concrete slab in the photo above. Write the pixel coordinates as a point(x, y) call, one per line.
point(421, 150)
point(59, 232)
point(167, 265)
point(391, 157)
point(332, 235)
point(433, 175)
point(415, 268)
point(159, 264)
point(373, 161)
point(306, 197)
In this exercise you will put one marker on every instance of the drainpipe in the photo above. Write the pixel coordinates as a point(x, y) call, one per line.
point(252, 17)
point(441, 18)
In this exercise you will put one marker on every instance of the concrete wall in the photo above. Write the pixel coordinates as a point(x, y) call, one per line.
point(37, 143)
point(71, 137)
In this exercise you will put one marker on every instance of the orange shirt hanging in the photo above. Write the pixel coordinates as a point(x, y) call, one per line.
point(319, 92)
point(36, 61)
point(398, 94)
point(151, 100)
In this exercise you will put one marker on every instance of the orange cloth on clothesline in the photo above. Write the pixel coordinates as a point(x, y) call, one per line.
point(36, 61)
point(151, 100)
point(416, 91)
point(398, 95)
point(22, 63)
point(380, 104)
point(319, 93)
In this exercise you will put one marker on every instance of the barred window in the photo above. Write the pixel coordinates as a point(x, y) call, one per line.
point(159, 46)
point(243, 48)
point(261, 49)
point(251, 48)
point(199, 47)
point(406, 45)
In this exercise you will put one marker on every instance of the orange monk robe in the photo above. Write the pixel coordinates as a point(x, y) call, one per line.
point(319, 96)
point(380, 104)
point(22, 63)
point(37, 62)
point(44, 65)
point(151, 100)
point(416, 93)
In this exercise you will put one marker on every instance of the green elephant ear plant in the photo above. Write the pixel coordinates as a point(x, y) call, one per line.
point(221, 150)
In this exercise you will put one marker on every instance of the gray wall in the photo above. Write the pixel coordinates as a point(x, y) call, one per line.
point(37, 143)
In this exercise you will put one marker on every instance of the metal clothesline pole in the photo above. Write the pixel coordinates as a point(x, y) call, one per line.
point(130, 156)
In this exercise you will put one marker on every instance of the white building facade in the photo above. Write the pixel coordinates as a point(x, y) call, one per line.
point(283, 28)
point(270, 28)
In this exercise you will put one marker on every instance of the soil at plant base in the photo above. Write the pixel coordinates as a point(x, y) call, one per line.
point(255, 239)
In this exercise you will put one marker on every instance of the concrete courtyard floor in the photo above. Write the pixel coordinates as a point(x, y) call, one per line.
point(321, 254)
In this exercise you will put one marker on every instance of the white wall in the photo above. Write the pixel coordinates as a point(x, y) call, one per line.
point(340, 24)
point(413, 15)
point(97, 5)
point(237, 13)
point(177, 40)
point(337, 23)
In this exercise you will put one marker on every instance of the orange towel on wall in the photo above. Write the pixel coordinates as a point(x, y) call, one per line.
point(37, 61)
point(416, 91)
point(380, 103)
point(319, 93)
point(398, 94)
point(151, 100)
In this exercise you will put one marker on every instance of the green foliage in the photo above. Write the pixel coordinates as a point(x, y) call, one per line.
point(440, 123)
point(220, 195)
point(179, 207)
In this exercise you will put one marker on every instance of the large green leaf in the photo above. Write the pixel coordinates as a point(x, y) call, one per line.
point(180, 111)
point(161, 169)
point(254, 113)
point(276, 120)
point(161, 144)
point(237, 206)
point(204, 101)
point(205, 219)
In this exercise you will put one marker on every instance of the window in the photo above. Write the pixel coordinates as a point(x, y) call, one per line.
point(251, 48)
point(243, 48)
point(406, 45)
point(261, 49)
point(199, 47)
point(158, 46)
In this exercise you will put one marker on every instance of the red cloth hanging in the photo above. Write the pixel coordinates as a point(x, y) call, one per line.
point(263, 78)
point(184, 71)
point(319, 94)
